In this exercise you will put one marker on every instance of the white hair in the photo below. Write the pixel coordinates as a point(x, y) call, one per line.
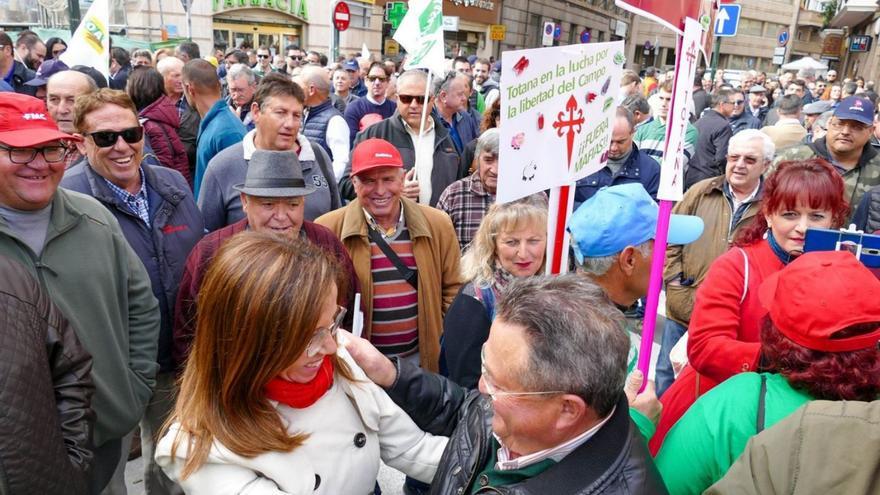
point(744, 136)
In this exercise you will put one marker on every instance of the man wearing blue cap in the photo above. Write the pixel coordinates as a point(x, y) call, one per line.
point(846, 146)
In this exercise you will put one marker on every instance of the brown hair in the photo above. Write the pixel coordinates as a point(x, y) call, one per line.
point(489, 117)
point(201, 73)
point(91, 102)
point(259, 305)
point(277, 84)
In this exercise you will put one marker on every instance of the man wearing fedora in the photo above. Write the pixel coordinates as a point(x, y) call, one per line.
point(273, 198)
point(159, 219)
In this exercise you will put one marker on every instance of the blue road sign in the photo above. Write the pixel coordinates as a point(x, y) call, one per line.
point(782, 39)
point(727, 19)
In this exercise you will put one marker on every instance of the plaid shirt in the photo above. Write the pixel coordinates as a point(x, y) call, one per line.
point(466, 203)
point(136, 202)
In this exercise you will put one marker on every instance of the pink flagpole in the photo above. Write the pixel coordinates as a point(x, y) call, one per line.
point(655, 285)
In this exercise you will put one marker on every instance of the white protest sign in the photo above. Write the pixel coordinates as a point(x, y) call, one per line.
point(557, 105)
point(672, 169)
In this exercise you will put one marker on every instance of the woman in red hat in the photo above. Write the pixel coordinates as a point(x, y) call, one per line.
point(725, 326)
point(818, 342)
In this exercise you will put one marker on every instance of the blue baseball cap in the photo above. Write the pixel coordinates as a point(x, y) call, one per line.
point(620, 216)
point(351, 65)
point(47, 69)
point(855, 108)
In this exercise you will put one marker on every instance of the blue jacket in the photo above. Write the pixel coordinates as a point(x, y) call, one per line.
point(315, 125)
point(462, 131)
point(639, 168)
point(219, 129)
point(163, 247)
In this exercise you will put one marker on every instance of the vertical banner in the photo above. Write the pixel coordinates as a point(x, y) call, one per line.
point(558, 106)
point(672, 169)
point(90, 44)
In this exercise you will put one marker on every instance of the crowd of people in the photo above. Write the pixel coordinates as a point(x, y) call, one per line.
point(278, 270)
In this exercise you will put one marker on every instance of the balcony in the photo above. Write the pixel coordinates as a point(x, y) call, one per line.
point(851, 13)
point(810, 18)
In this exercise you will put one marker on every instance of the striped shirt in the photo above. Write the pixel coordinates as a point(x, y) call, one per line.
point(395, 330)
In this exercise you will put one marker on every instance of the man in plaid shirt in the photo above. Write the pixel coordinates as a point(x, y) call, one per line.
point(467, 200)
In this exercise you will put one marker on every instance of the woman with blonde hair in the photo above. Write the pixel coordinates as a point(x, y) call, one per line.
point(268, 403)
point(510, 243)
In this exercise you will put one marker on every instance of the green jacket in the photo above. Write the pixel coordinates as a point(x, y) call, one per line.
point(857, 181)
point(706, 441)
point(98, 282)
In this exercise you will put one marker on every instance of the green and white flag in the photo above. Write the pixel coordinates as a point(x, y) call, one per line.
point(421, 34)
point(90, 44)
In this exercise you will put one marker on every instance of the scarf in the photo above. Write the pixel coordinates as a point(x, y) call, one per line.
point(302, 395)
point(500, 278)
point(780, 253)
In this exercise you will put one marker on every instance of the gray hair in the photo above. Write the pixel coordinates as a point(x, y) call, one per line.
point(577, 341)
point(790, 105)
point(488, 142)
point(142, 52)
point(600, 265)
point(169, 63)
point(241, 70)
point(422, 75)
point(443, 83)
point(636, 103)
point(768, 149)
point(317, 76)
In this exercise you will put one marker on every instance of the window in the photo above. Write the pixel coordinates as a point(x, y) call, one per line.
point(360, 15)
point(751, 27)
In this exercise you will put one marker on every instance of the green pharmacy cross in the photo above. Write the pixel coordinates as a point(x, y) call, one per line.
point(394, 12)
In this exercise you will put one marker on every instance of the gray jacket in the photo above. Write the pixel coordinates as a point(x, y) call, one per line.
point(220, 202)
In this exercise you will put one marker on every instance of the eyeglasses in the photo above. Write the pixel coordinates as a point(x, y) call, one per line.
point(407, 99)
point(738, 102)
point(263, 55)
point(493, 392)
point(377, 78)
point(105, 139)
point(318, 339)
point(851, 124)
point(21, 156)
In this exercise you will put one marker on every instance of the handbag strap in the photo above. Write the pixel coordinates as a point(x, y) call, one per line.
point(745, 276)
point(411, 276)
point(759, 422)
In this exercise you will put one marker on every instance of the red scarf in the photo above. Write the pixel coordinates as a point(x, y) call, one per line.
point(302, 395)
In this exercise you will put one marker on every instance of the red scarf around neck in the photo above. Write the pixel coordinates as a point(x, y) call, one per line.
point(302, 395)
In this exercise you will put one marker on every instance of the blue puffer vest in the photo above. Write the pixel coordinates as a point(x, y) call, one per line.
point(315, 126)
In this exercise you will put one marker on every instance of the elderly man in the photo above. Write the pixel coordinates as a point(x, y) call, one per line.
point(278, 112)
point(757, 105)
point(651, 136)
point(641, 110)
point(550, 416)
point(451, 105)
point(467, 200)
point(273, 195)
point(74, 246)
point(812, 112)
point(323, 123)
point(713, 132)
point(847, 146)
point(241, 82)
point(171, 69)
point(374, 107)
point(435, 164)
point(404, 254)
point(626, 163)
point(159, 219)
point(342, 94)
point(725, 203)
point(219, 127)
point(62, 89)
point(14, 73)
point(788, 130)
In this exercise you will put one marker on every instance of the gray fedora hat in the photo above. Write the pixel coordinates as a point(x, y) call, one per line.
point(275, 174)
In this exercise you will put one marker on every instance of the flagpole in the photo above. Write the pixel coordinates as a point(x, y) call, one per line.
point(422, 126)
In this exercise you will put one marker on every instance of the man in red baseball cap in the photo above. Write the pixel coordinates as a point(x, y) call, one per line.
point(76, 249)
point(405, 254)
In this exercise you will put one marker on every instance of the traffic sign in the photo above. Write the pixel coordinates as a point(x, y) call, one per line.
point(497, 32)
point(727, 19)
point(557, 32)
point(341, 16)
point(783, 37)
point(585, 36)
point(547, 37)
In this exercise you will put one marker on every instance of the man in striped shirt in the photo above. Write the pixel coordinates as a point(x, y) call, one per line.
point(406, 256)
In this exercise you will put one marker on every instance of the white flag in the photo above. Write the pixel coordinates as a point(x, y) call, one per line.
point(365, 53)
point(421, 34)
point(90, 44)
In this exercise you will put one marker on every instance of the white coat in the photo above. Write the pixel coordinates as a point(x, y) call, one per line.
point(350, 428)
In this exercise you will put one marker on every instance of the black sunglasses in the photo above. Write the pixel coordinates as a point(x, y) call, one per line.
point(407, 99)
point(105, 139)
point(295, 57)
point(262, 55)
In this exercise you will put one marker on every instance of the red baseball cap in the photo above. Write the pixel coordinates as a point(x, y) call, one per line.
point(374, 153)
point(24, 122)
point(819, 294)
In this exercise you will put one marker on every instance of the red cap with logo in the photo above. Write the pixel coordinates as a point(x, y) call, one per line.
point(374, 153)
point(818, 295)
point(25, 122)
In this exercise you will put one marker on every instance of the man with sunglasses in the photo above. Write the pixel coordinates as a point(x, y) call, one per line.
point(847, 146)
point(550, 416)
point(741, 119)
point(294, 58)
point(713, 133)
point(374, 107)
point(159, 219)
point(264, 62)
point(75, 248)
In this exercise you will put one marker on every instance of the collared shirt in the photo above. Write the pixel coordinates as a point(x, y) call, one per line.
point(466, 202)
point(138, 203)
point(424, 156)
point(557, 453)
point(181, 106)
point(389, 233)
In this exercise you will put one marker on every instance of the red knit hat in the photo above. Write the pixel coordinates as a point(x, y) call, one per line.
point(819, 294)
point(25, 122)
point(374, 153)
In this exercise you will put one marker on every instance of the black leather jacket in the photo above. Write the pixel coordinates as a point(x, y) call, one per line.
point(615, 461)
point(45, 391)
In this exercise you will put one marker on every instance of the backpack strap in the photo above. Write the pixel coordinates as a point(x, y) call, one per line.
point(759, 421)
point(745, 275)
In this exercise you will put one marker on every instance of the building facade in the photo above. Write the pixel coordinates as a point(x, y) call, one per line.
point(858, 23)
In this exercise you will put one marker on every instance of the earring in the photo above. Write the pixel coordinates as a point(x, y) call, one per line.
point(767, 233)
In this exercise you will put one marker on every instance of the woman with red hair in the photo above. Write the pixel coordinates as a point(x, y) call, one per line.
point(725, 326)
point(818, 342)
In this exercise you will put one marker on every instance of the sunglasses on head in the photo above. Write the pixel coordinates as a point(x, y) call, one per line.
point(105, 139)
point(407, 99)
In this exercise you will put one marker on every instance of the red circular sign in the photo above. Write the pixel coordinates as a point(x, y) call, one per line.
point(341, 16)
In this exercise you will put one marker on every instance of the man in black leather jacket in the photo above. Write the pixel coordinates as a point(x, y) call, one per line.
point(46, 391)
point(550, 416)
